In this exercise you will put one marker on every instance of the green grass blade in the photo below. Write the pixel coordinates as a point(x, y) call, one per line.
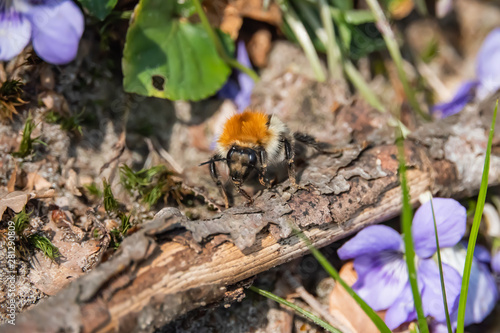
point(441, 276)
point(219, 46)
point(45, 245)
point(333, 54)
point(368, 94)
point(421, 7)
point(406, 220)
point(475, 228)
point(298, 309)
point(358, 16)
point(379, 323)
point(303, 38)
point(364, 89)
point(393, 47)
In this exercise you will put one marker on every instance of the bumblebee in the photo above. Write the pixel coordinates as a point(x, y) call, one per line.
point(252, 141)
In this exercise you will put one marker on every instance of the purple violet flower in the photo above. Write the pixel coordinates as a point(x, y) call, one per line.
point(495, 262)
point(487, 82)
point(54, 27)
point(378, 253)
point(483, 293)
point(240, 89)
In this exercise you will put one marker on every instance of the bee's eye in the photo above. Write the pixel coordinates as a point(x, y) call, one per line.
point(252, 157)
point(230, 153)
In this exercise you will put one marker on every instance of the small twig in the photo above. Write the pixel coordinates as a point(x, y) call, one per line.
point(167, 157)
point(120, 145)
point(314, 304)
point(434, 81)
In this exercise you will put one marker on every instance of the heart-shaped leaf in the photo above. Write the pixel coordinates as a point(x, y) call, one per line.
point(99, 8)
point(169, 58)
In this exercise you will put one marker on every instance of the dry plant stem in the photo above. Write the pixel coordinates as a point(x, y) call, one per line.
point(315, 304)
point(173, 265)
point(433, 80)
point(3, 74)
point(167, 157)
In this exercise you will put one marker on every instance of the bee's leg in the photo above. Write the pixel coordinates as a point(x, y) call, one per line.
point(216, 178)
point(289, 156)
point(245, 194)
point(263, 169)
point(323, 147)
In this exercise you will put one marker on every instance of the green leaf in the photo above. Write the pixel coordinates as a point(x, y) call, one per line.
point(185, 8)
point(169, 58)
point(481, 198)
point(99, 8)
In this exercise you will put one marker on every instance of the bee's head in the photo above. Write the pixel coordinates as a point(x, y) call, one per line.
point(241, 161)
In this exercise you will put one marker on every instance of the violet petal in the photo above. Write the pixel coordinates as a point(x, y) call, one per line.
point(450, 220)
point(402, 310)
point(246, 83)
point(482, 295)
point(57, 30)
point(481, 253)
point(370, 240)
point(381, 278)
point(464, 95)
point(15, 34)
point(239, 90)
point(487, 65)
point(495, 262)
point(432, 296)
point(442, 327)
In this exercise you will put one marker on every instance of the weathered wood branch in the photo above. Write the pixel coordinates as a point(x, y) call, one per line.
point(174, 265)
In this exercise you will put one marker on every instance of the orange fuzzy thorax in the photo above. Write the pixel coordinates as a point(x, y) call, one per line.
point(245, 129)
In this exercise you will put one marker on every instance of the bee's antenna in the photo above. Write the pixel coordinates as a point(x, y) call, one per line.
point(213, 160)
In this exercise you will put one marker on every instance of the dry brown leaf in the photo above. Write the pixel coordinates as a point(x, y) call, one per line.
point(228, 15)
point(47, 79)
point(54, 101)
point(37, 182)
point(72, 183)
point(254, 9)
point(232, 21)
point(259, 47)
point(12, 181)
point(15, 200)
point(43, 194)
point(345, 308)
